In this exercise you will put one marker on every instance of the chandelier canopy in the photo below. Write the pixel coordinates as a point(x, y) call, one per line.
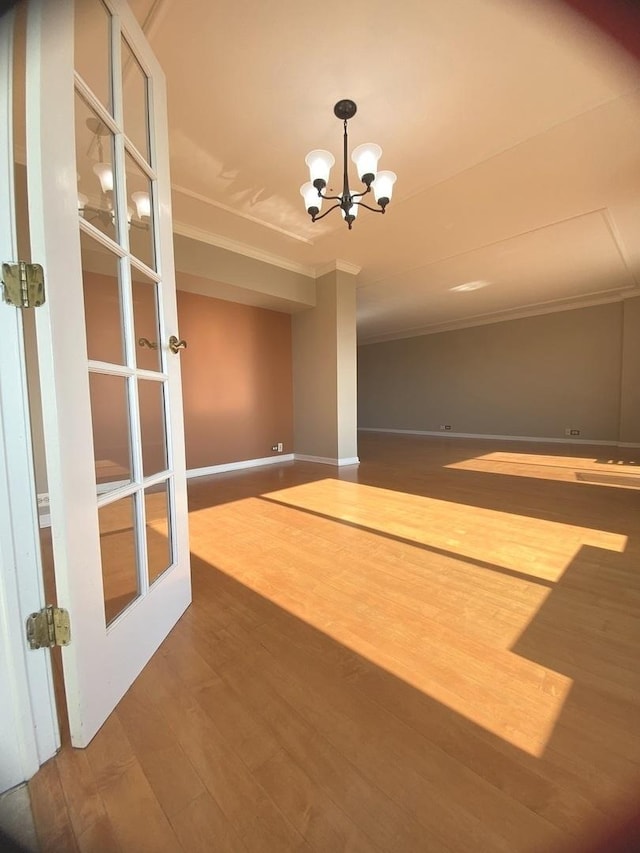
point(365, 157)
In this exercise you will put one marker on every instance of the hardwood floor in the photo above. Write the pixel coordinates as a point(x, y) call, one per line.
point(436, 651)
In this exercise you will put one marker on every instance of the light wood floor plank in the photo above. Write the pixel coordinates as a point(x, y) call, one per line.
point(434, 651)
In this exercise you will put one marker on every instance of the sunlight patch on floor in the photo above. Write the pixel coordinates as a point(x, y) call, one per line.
point(335, 553)
point(499, 537)
point(605, 471)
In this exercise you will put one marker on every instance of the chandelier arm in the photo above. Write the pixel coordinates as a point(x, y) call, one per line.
point(330, 198)
point(372, 209)
point(316, 218)
point(360, 195)
point(104, 215)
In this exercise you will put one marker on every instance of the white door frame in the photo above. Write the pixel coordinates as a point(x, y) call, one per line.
point(29, 733)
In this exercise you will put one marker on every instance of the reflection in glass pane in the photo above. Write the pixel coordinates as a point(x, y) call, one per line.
point(101, 288)
point(110, 421)
point(141, 213)
point(119, 556)
point(94, 165)
point(154, 445)
point(145, 319)
point(92, 48)
point(158, 513)
point(134, 93)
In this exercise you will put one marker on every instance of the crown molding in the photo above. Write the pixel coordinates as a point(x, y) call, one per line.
point(338, 265)
point(205, 199)
point(535, 310)
point(185, 230)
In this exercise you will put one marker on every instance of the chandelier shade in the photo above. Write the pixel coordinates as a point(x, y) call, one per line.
point(365, 157)
point(142, 203)
point(383, 186)
point(105, 176)
point(312, 201)
point(351, 212)
point(319, 163)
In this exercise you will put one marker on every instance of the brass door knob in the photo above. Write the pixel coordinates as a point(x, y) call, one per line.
point(145, 342)
point(175, 345)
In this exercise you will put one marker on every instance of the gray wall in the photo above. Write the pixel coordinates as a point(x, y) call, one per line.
point(527, 377)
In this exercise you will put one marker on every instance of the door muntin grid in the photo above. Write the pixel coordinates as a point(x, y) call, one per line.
point(117, 218)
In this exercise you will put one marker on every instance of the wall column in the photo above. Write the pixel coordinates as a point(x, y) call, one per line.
point(324, 373)
point(630, 373)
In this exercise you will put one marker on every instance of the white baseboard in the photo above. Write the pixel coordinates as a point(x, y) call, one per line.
point(533, 438)
point(326, 460)
point(237, 466)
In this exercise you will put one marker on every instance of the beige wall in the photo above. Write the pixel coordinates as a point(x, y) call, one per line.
point(236, 380)
point(527, 377)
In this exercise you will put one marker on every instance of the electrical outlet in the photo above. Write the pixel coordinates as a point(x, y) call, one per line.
point(574, 432)
point(445, 426)
point(280, 447)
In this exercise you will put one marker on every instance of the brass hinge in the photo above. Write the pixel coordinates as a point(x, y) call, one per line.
point(23, 284)
point(50, 627)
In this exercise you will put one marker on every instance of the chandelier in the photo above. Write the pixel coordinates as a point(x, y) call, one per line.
point(365, 157)
point(104, 212)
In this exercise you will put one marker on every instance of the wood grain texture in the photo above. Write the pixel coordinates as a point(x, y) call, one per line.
point(437, 651)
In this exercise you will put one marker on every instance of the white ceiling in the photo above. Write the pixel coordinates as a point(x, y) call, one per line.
point(513, 127)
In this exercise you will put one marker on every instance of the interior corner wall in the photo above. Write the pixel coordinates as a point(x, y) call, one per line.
point(236, 380)
point(527, 377)
point(630, 379)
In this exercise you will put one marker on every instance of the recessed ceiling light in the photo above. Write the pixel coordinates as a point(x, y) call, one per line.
point(470, 285)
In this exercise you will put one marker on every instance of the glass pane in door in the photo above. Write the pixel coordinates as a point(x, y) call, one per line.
point(92, 48)
point(140, 213)
point(111, 439)
point(94, 165)
point(145, 321)
point(152, 426)
point(102, 301)
point(134, 101)
point(158, 513)
point(118, 550)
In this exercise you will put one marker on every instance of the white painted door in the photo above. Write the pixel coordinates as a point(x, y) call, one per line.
point(28, 723)
point(100, 219)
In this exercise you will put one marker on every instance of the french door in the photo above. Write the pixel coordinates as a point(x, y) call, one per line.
point(100, 223)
